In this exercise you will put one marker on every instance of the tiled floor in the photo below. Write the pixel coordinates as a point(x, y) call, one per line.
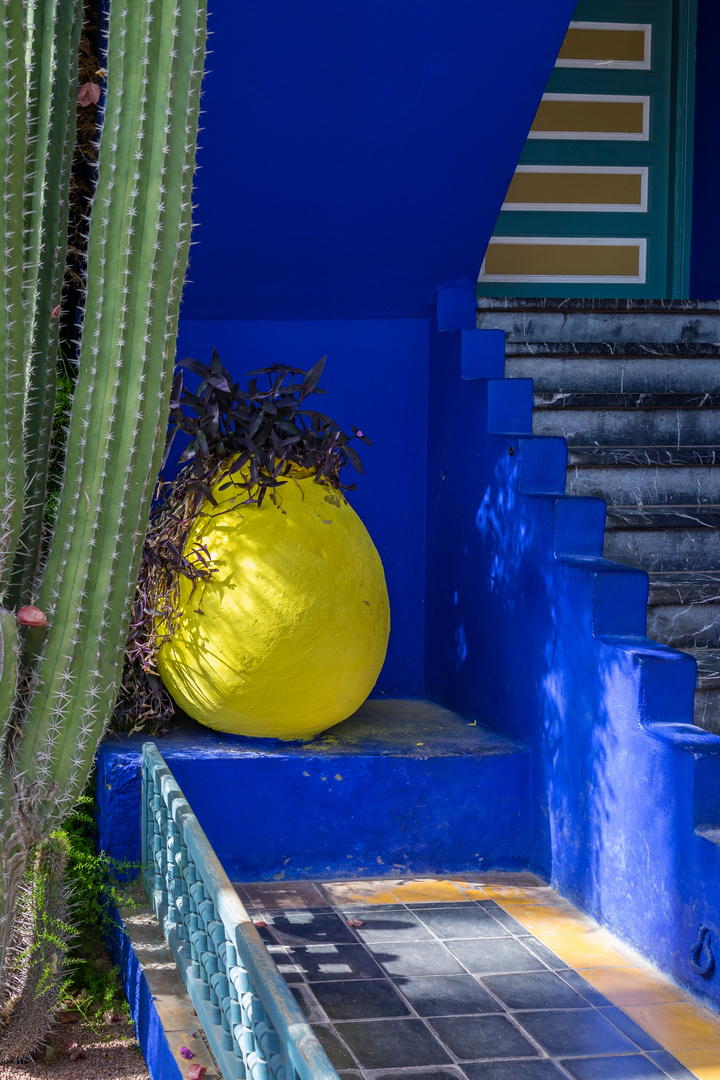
point(496, 978)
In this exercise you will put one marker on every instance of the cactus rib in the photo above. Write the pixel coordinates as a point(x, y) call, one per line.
point(12, 385)
point(138, 247)
point(53, 35)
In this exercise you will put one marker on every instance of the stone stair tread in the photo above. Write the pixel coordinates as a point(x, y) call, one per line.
point(642, 456)
point(669, 516)
point(626, 400)
point(612, 305)
point(591, 350)
point(684, 587)
point(708, 662)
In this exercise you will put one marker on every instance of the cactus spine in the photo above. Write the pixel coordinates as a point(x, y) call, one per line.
point(57, 705)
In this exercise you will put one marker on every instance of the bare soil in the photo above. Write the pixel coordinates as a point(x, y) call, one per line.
point(109, 1046)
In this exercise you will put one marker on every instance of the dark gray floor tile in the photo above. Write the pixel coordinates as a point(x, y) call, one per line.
point(543, 1069)
point(308, 1003)
point(457, 921)
point(670, 1065)
point(447, 995)
point(319, 963)
point(415, 958)
point(625, 1067)
point(360, 999)
point(306, 927)
point(392, 1044)
point(583, 987)
point(471, 1037)
point(417, 1074)
point(489, 956)
point(284, 964)
point(628, 1027)
point(501, 916)
point(534, 990)
point(567, 1032)
point(340, 1056)
point(363, 909)
point(395, 925)
point(543, 953)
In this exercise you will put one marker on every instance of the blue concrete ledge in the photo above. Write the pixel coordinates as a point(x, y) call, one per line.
point(160, 1008)
point(402, 787)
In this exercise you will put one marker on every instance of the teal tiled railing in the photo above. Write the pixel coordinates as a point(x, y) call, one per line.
point(253, 1024)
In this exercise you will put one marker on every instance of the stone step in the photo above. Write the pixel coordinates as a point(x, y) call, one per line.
point(684, 609)
point(576, 399)
point(608, 368)
point(676, 516)
point(609, 457)
point(679, 587)
point(664, 538)
point(685, 626)
point(645, 484)
point(627, 427)
point(542, 319)
point(707, 694)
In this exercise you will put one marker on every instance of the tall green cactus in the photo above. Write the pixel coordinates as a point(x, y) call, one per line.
point(59, 682)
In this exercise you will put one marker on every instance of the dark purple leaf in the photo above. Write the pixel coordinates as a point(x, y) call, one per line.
point(312, 378)
point(353, 458)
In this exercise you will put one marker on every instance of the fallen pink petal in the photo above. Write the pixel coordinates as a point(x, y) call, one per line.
point(55, 313)
point(195, 1072)
point(260, 923)
point(355, 922)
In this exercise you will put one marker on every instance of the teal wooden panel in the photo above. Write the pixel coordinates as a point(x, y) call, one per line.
point(663, 225)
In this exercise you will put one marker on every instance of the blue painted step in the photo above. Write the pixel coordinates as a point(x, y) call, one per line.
point(402, 787)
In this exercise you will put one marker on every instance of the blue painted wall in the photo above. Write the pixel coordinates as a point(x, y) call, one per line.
point(532, 631)
point(376, 378)
point(704, 259)
point(355, 156)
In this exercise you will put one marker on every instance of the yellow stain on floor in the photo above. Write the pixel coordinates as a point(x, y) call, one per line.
point(704, 1063)
point(679, 1025)
point(632, 986)
point(670, 1015)
point(360, 892)
point(419, 892)
point(546, 919)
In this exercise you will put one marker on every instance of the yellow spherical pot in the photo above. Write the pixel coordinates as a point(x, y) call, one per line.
point(289, 634)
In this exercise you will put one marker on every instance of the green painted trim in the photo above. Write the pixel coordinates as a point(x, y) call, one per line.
point(685, 34)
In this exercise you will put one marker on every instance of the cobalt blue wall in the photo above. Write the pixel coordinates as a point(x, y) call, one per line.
point(704, 259)
point(376, 378)
point(354, 156)
point(530, 630)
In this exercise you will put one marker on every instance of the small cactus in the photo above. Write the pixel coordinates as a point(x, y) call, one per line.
point(35, 961)
point(60, 668)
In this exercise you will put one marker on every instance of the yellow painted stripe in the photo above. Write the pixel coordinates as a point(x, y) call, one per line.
point(603, 44)
point(601, 117)
point(562, 260)
point(557, 188)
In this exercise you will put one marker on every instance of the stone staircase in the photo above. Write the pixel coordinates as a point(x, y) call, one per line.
point(634, 387)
